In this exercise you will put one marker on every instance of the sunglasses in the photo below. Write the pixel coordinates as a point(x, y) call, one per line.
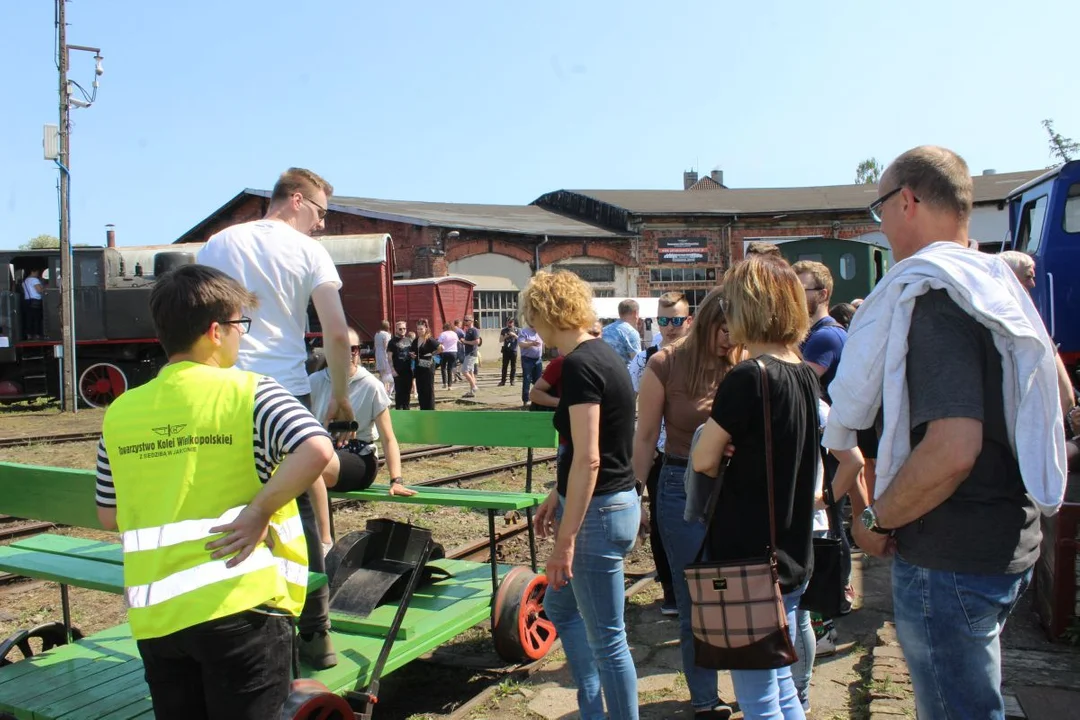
point(319, 209)
point(676, 321)
point(354, 349)
point(243, 324)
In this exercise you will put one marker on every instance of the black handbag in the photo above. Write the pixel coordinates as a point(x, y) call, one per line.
point(825, 591)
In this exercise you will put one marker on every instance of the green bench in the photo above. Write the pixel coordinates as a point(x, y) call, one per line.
point(101, 676)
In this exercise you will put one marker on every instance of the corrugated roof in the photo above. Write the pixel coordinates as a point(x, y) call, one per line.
point(435, 280)
point(516, 219)
point(751, 201)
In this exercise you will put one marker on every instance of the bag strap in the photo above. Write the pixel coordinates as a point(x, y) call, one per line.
point(832, 511)
point(768, 452)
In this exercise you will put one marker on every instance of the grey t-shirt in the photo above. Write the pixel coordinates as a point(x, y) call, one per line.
point(989, 525)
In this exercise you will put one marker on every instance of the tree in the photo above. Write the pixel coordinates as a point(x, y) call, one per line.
point(1061, 147)
point(868, 172)
point(41, 242)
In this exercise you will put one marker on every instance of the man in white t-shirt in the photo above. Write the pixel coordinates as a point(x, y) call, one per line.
point(32, 288)
point(277, 260)
point(382, 361)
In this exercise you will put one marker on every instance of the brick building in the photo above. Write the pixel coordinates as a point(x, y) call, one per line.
point(624, 242)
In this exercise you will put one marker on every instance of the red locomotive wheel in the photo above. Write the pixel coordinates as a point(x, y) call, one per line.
point(523, 632)
point(311, 700)
point(29, 643)
point(101, 383)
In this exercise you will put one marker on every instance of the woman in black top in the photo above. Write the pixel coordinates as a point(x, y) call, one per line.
point(594, 512)
point(424, 350)
point(766, 309)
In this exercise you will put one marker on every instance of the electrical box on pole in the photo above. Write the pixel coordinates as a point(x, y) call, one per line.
point(51, 142)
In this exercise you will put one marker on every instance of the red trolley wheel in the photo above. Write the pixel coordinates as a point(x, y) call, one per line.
point(29, 643)
point(523, 632)
point(101, 383)
point(311, 700)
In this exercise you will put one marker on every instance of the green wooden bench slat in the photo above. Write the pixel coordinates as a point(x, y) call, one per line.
point(98, 550)
point(94, 701)
point(57, 495)
point(79, 572)
point(74, 568)
point(68, 689)
point(140, 710)
point(452, 497)
point(479, 427)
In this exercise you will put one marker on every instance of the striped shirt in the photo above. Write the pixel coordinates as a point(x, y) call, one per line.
point(280, 424)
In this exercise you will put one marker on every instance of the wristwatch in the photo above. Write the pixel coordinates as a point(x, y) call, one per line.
point(396, 481)
point(870, 521)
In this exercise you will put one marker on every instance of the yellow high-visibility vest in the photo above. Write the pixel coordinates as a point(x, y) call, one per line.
point(181, 450)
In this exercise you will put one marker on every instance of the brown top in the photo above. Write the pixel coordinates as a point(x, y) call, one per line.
point(682, 413)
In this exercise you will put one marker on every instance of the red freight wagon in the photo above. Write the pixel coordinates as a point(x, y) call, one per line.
point(366, 266)
point(440, 300)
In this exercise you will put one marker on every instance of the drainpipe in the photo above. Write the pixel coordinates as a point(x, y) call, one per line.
point(536, 251)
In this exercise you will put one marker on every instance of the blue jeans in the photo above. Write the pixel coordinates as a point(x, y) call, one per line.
point(770, 694)
point(531, 368)
point(806, 648)
point(949, 626)
point(681, 541)
point(588, 612)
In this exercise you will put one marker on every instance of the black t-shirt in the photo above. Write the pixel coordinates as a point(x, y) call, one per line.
point(424, 352)
point(471, 334)
point(740, 529)
point(989, 525)
point(509, 337)
point(595, 374)
point(399, 349)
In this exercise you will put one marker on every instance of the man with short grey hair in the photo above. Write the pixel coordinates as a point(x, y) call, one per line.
point(622, 335)
point(966, 458)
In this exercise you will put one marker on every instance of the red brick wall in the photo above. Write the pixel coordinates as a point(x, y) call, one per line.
point(649, 256)
point(837, 226)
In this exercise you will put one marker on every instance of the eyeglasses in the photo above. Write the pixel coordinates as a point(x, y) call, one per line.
point(354, 349)
point(875, 207)
point(243, 324)
point(676, 321)
point(319, 209)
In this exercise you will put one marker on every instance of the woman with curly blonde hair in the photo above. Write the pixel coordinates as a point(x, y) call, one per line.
point(594, 511)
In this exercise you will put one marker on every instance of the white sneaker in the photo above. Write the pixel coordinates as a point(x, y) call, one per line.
point(826, 644)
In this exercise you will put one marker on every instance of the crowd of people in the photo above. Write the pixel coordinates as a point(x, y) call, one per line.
point(722, 443)
point(934, 407)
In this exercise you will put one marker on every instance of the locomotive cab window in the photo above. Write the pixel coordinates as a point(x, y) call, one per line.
point(1031, 226)
point(1072, 209)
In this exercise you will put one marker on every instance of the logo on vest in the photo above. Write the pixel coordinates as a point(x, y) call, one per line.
point(172, 442)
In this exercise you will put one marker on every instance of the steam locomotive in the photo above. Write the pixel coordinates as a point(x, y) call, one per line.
point(114, 333)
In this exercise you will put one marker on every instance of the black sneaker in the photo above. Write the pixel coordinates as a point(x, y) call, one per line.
point(720, 712)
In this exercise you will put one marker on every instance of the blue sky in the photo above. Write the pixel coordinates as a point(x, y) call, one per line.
point(500, 101)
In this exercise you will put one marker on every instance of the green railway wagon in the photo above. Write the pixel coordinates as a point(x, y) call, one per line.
point(856, 266)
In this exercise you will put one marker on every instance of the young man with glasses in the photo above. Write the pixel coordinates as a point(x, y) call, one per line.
point(276, 259)
point(214, 555)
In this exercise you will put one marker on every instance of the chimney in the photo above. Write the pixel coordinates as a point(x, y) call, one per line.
point(689, 177)
point(991, 171)
point(717, 176)
point(110, 235)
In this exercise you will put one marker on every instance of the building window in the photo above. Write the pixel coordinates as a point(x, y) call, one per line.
point(603, 292)
point(591, 273)
point(492, 308)
point(682, 275)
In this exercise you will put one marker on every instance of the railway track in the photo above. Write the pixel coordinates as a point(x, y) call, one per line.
point(48, 439)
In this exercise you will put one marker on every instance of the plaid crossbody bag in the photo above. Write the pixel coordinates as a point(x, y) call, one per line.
point(737, 614)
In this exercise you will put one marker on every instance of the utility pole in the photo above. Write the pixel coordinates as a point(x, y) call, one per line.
point(67, 286)
point(67, 269)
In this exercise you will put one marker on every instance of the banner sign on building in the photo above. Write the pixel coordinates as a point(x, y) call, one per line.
point(682, 250)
